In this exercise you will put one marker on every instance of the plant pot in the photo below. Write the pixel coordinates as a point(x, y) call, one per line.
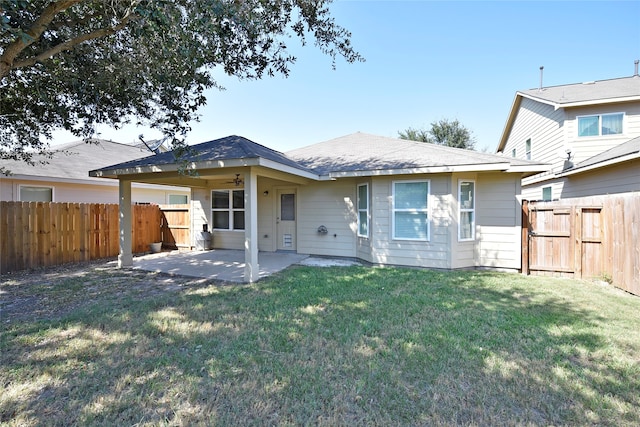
point(156, 247)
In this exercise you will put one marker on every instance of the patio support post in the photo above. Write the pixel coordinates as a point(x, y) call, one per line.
point(125, 257)
point(251, 268)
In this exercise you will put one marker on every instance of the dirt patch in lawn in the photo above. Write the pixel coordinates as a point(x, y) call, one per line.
point(46, 294)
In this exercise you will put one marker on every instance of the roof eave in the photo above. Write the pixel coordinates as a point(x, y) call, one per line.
point(597, 102)
point(174, 167)
point(599, 165)
point(498, 167)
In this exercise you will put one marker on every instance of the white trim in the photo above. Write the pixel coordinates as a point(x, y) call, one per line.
point(427, 211)
point(51, 187)
point(472, 210)
point(367, 209)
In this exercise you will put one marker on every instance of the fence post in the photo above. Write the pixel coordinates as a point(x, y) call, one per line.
point(525, 237)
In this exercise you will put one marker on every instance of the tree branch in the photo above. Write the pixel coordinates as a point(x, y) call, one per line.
point(34, 33)
point(69, 44)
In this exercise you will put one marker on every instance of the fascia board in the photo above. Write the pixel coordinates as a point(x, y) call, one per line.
point(597, 102)
point(610, 162)
point(425, 170)
point(194, 166)
point(515, 105)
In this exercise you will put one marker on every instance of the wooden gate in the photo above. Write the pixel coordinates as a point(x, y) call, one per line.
point(565, 239)
point(590, 237)
point(176, 226)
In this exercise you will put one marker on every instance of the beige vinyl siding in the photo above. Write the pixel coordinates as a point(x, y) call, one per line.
point(332, 204)
point(586, 147)
point(266, 214)
point(90, 193)
point(200, 213)
point(540, 123)
point(436, 252)
point(534, 191)
point(622, 178)
point(498, 221)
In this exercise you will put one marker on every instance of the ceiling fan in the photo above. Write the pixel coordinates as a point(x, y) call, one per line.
point(237, 181)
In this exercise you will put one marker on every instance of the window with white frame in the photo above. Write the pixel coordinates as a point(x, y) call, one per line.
point(467, 210)
point(527, 149)
point(363, 210)
point(411, 210)
point(36, 194)
point(227, 209)
point(600, 124)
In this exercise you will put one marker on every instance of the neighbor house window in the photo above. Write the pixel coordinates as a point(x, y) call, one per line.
point(467, 210)
point(363, 210)
point(227, 208)
point(603, 124)
point(546, 194)
point(527, 149)
point(410, 210)
point(178, 199)
point(36, 194)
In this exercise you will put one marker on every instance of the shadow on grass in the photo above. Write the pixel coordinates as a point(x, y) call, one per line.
point(331, 346)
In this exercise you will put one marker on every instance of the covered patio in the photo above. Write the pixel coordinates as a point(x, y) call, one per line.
point(227, 265)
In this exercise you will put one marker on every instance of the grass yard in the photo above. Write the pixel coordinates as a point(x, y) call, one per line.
point(94, 345)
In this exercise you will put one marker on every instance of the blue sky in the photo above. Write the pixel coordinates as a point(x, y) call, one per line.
point(425, 61)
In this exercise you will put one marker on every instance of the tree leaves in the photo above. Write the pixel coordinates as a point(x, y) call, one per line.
point(75, 64)
point(443, 132)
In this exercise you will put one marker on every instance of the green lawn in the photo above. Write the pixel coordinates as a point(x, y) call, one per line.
point(322, 346)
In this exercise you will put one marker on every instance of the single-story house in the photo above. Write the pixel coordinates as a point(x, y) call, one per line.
point(382, 200)
point(64, 177)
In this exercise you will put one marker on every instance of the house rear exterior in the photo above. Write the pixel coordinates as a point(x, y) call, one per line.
point(589, 132)
point(382, 200)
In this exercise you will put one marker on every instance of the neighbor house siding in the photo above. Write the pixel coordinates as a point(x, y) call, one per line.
point(433, 253)
point(332, 204)
point(103, 192)
point(498, 221)
point(540, 123)
point(586, 147)
point(621, 178)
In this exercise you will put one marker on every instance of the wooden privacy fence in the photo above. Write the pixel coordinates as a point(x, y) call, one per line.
point(176, 225)
point(584, 238)
point(41, 234)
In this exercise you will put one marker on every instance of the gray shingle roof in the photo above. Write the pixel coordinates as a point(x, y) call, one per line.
point(228, 148)
point(630, 147)
point(609, 90)
point(364, 152)
point(74, 160)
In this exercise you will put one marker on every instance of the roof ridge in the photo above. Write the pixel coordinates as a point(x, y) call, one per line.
point(580, 83)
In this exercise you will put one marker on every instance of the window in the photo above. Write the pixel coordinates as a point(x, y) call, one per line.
point(178, 199)
point(513, 153)
point(36, 194)
point(228, 209)
point(597, 125)
point(363, 210)
point(410, 210)
point(467, 210)
point(546, 194)
point(527, 149)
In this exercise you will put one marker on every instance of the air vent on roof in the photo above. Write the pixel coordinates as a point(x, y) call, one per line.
point(589, 83)
point(541, 69)
point(635, 74)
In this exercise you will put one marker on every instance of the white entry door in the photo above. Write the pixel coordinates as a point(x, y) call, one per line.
point(286, 220)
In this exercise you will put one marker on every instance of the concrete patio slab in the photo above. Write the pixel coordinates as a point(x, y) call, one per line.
point(219, 264)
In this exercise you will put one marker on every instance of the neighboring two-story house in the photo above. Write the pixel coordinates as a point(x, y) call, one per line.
point(589, 132)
